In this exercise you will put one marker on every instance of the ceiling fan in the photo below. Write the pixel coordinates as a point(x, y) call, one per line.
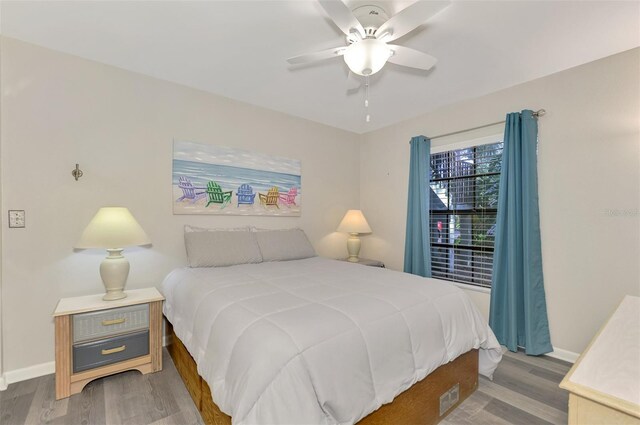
point(369, 30)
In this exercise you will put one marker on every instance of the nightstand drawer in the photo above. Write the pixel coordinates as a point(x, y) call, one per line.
point(111, 350)
point(87, 326)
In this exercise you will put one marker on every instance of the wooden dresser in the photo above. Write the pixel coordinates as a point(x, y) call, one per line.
point(96, 338)
point(604, 384)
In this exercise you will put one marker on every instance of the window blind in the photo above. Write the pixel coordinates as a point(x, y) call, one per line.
point(464, 187)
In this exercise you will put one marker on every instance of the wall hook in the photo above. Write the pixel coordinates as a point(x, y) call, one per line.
point(77, 173)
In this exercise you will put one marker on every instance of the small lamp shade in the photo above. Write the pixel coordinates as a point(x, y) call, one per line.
point(113, 227)
point(354, 222)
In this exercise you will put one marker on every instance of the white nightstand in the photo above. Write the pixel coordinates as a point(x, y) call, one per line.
point(367, 262)
point(96, 338)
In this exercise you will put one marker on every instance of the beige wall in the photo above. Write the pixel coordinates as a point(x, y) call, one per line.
point(58, 110)
point(589, 162)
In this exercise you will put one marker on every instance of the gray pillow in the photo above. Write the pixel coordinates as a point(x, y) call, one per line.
point(221, 248)
point(282, 245)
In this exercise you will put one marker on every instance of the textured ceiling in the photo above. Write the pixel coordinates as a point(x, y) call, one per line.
point(238, 49)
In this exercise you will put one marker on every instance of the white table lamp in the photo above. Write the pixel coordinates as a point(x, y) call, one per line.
point(354, 224)
point(113, 228)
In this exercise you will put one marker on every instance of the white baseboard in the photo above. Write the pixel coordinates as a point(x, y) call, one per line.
point(566, 355)
point(25, 373)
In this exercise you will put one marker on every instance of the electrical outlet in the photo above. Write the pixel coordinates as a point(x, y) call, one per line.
point(16, 218)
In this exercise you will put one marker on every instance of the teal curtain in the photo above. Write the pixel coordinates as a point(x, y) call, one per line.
point(518, 313)
point(417, 251)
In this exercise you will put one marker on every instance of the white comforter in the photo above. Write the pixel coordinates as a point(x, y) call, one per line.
point(319, 341)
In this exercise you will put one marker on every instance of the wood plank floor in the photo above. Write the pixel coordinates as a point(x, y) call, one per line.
point(524, 391)
point(127, 398)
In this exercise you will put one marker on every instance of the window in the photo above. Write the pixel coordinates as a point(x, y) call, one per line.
point(463, 208)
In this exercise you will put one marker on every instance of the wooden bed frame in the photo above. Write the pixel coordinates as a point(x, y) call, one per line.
point(419, 404)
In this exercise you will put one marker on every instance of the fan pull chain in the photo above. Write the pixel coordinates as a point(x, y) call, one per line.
point(366, 99)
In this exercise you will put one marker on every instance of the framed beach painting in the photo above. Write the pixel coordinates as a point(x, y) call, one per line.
point(211, 179)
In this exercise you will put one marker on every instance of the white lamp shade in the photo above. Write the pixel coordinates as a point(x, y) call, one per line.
point(354, 222)
point(113, 227)
point(368, 56)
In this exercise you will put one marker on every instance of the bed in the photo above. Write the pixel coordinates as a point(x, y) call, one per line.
point(320, 341)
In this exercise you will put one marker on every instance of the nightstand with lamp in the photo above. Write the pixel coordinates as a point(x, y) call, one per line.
point(99, 335)
point(354, 223)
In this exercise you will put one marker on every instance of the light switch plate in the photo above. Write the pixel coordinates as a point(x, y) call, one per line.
point(16, 218)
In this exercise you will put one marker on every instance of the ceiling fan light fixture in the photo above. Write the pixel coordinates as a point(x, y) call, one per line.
point(368, 56)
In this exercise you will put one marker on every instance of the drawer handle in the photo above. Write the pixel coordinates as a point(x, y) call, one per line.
point(114, 350)
point(114, 321)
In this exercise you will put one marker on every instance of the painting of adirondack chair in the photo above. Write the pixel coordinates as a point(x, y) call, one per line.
point(246, 181)
point(216, 195)
point(289, 198)
point(189, 191)
point(271, 198)
point(245, 194)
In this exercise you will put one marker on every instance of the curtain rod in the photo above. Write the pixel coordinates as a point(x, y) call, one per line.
point(537, 114)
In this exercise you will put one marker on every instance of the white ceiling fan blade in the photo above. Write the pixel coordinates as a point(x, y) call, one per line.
point(412, 58)
point(353, 82)
point(342, 16)
point(409, 19)
point(317, 56)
